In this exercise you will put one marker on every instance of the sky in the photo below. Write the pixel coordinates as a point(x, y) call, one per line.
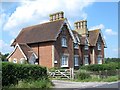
point(16, 15)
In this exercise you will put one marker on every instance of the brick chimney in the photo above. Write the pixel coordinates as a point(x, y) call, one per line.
point(57, 16)
point(81, 27)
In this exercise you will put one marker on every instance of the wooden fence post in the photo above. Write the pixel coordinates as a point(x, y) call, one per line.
point(106, 73)
point(72, 73)
point(99, 74)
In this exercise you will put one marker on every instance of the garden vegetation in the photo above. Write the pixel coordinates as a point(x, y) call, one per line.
point(24, 76)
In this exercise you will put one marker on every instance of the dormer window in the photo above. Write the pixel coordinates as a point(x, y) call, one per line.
point(99, 46)
point(64, 42)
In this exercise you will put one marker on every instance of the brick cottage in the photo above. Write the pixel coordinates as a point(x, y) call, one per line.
point(54, 44)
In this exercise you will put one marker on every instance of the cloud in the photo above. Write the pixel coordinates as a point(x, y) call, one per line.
point(110, 32)
point(4, 47)
point(35, 12)
point(100, 26)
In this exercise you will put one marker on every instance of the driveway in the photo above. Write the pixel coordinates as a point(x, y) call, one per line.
point(78, 85)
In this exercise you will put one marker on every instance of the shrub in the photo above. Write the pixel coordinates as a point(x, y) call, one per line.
point(108, 60)
point(82, 75)
point(12, 73)
point(102, 67)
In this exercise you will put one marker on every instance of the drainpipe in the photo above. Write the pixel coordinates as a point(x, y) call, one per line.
point(38, 54)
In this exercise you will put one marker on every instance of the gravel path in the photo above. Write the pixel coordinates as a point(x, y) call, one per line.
point(69, 84)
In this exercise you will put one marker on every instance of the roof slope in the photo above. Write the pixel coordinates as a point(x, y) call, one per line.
point(26, 50)
point(93, 37)
point(81, 38)
point(39, 33)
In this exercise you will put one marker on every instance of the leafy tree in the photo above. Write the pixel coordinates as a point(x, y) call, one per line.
point(3, 57)
point(108, 60)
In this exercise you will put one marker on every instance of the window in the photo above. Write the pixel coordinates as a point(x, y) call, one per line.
point(99, 45)
point(86, 60)
point(64, 61)
point(86, 47)
point(76, 58)
point(14, 61)
point(99, 59)
point(76, 46)
point(64, 42)
point(22, 60)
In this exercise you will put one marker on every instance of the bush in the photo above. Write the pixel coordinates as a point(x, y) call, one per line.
point(108, 60)
point(12, 73)
point(82, 75)
point(102, 67)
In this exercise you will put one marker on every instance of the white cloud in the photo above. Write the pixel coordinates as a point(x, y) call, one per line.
point(34, 12)
point(110, 32)
point(100, 26)
point(4, 47)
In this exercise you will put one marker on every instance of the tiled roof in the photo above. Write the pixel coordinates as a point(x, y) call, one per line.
point(39, 33)
point(82, 39)
point(93, 37)
point(26, 50)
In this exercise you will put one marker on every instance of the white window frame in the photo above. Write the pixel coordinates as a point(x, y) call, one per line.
point(86, 60)
point(99, 59)
point(64, 60)
point(64, 42)
point(76, 60)
point(22, 60)
point(99, 46)
point(76, 46)
point(14, 60)
point(86, 47)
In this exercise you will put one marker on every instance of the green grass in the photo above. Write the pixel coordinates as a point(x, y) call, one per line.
point(32, 84)
point(96, 79)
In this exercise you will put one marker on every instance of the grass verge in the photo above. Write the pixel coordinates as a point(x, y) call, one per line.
point(32, 84)
point(96, 79)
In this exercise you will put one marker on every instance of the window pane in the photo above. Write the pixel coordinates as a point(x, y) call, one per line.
point(64, 42)
point(76, 61)
point(99, 60)
point(86, 61)
point(64, 61)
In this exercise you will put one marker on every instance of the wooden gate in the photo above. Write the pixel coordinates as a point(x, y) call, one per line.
point(62, 74)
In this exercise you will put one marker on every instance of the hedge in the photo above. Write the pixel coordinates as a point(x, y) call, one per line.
point(82, 75)
point(102, 67)
point(12, 73)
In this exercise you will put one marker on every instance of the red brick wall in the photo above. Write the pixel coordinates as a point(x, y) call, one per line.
point(59, 50)
point(44, 53)
point(99, 52)
point(16, 55)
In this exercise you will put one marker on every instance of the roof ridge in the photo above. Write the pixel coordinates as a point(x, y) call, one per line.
point(94, 30)
point(43, 23)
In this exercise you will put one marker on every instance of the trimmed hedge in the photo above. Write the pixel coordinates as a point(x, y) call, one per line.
point(82, 75)
point(102, 67)
point(12, 73)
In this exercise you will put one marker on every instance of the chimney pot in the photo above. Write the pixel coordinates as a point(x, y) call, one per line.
point(56, 16)
point(81, 26)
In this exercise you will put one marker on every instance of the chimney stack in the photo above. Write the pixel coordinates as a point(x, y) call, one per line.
point(81, 27)
point(57, 16)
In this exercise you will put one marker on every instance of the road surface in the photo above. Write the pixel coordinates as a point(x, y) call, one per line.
point(82, 85)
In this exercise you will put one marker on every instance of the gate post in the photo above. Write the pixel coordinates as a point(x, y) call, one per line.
point(72, 73)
